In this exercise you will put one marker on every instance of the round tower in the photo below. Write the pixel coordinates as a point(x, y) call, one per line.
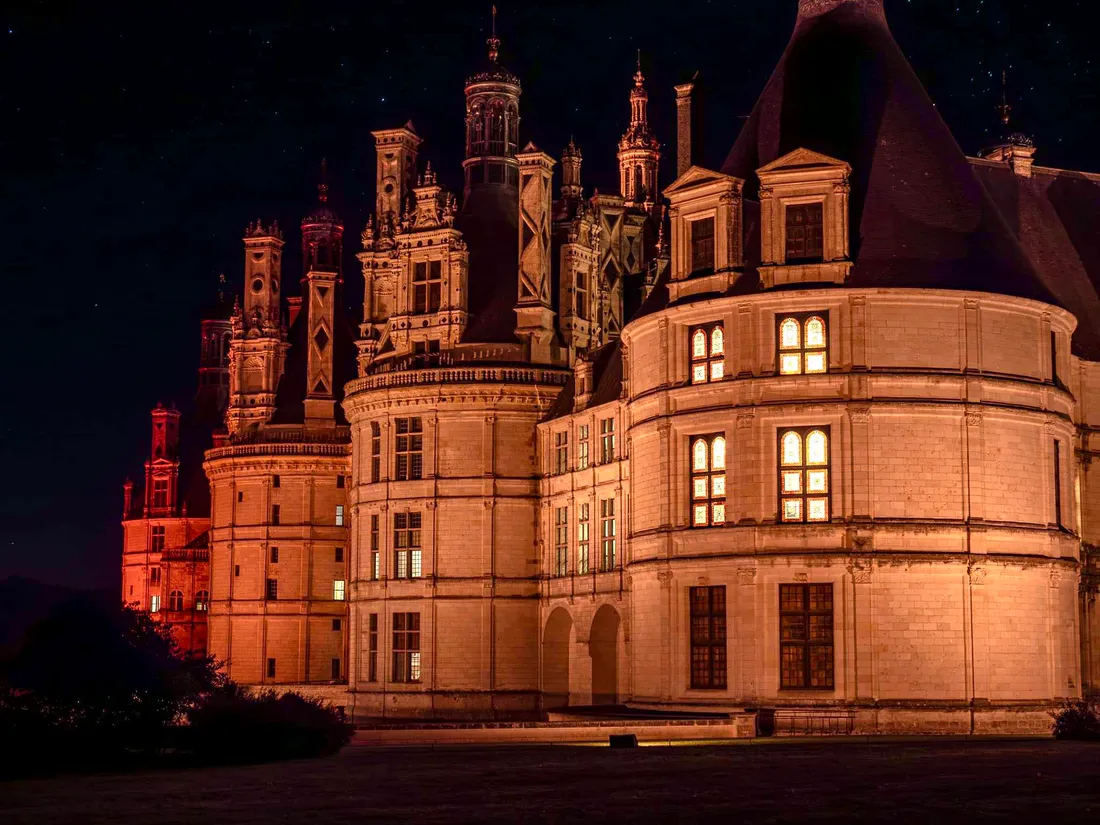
point(492, 123)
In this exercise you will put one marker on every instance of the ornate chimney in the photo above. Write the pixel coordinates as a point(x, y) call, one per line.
point(815, 8)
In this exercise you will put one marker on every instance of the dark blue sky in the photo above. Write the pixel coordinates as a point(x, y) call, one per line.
point(137, 140)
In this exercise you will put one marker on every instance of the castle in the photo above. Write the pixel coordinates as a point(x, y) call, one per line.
point(811, 432)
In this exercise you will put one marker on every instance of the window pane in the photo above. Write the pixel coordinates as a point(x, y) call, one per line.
point(817, 481)
point(717, 370)
point(719, 511)
point(815, 333)
point(818, 509)
point(790, 334)
point(815, 362)
point(718, 453)
point(792, 449)
point(792, 481)
point(699, 344)
point(699, 487)
point(699, 455)
point(718, 486)
point(793, 628)
point(790, 364)
point(717, 342)
point(699, 374)
point(700, 514)
point(792, 509)
point(816, 448)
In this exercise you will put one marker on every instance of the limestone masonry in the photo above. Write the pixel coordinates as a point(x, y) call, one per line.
point(811, 433)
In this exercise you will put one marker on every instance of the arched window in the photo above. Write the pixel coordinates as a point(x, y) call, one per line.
point(202, 600)
point(804, 483)
point(803, 344)
point(175, 600)
point(708, 480)
point(708, 354)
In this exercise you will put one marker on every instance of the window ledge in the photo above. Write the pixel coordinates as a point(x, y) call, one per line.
point(717, 282)
point(830, 272)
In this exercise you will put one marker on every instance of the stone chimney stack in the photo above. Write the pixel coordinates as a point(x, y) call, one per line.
point(683, 127)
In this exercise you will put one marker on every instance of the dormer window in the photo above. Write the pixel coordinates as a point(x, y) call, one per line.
point(427, 286)
point(702, 244)
point(803, 343)
point(708, 354)
point(805, 233)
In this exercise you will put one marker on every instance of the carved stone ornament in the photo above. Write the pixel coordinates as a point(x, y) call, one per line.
point(860, 571)
point(860, 415)
point(977, 574)
point(801, 577)
point(746, 576)
point(744, 420)
point(973, 418)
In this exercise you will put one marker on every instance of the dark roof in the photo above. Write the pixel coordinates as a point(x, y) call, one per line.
point(488, 222)
point(607, 373)
point(291, 394)
point(1054, 215)
point(919, 216)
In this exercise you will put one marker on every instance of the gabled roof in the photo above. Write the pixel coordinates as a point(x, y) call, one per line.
point(919, 216)
point(802, 159)
point(696, 177)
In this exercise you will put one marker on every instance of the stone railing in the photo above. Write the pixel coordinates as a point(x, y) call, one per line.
point(268, 449)
point(459, 375)
point(186, 554)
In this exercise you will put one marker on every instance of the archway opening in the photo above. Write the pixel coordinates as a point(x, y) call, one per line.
point(603, 647)
point(555, 659)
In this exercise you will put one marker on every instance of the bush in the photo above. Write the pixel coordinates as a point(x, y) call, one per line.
point(1078, 721)
point(235, 725)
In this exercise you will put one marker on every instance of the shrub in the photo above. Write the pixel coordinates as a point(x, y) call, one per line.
point(235, 725)
point(1078, 721)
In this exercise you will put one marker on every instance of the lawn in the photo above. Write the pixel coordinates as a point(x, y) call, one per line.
point(838, 781)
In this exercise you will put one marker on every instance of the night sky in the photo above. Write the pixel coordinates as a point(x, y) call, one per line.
point(136, 141)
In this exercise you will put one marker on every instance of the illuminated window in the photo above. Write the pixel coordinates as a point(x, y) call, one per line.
point(582, 538)
point(339, 515)
point(202, 601)
point(372, 648)
point(175, 600)
point(338, 590)
point(375, 452)
point(561, 540)
point(708, 480)
point(805, 233)
point(582, 447)
point(608, 534)
point(708, 354)
point(375, 556)
point(702, 244)
point(561, 452)
point(409, 449)
point(804, 482)
point(806, 635)
point(406, 545)
point(427, 286)
point(406, 647)
point(154, 604)
point(158, 539)
point(708, 637)
point(803, 343)
point(607, 440)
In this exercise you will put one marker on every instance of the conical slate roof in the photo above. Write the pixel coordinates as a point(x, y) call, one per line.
point(919, 216)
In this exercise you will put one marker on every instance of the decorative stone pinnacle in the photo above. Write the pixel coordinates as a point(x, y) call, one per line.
point(814, 8)
point(494, 42)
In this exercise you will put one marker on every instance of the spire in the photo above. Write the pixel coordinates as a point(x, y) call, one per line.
point(322, 187)
point(494, 42)
point(1004, 110)
point(639, 78)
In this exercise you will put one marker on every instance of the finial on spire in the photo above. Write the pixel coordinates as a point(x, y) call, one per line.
point(494, 41)
point(639, 78)
point(322, 187)
point(1005, 110)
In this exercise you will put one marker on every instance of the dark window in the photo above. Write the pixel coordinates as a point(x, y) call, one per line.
point(372, 648)
point(806, 635)
point(236, 570)
point(274, 555)
point(375, 560)
point(276, 481)
point(708, 480)
point(607, 440)
point(608, 534)
point(406, 545)
point(409, 449)
point(274, 513)
point(335, 669)
point(339, 554)
point(154, 575)
point(270, 668)
point(561, 540)
point(582, 296)
point(339, 482)
point(427, 286)
point(272, 592)
point(375, 452)
point(406, 647)
point(175, 600)
point(160, 492)
point(1054, 359)
point(1058, 484)
point(335, 624)
point(805, 233)
point(702, 244)
point(158, 539)
point(561, 452)
point(804, 475)
point(240, 496)
point(708, 637)
point(708, 354)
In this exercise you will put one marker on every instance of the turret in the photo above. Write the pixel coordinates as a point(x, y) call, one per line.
point(492, 123)
point(162, 468)
point(638, 149)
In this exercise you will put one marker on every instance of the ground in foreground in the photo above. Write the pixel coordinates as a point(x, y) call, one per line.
point(849, 780)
